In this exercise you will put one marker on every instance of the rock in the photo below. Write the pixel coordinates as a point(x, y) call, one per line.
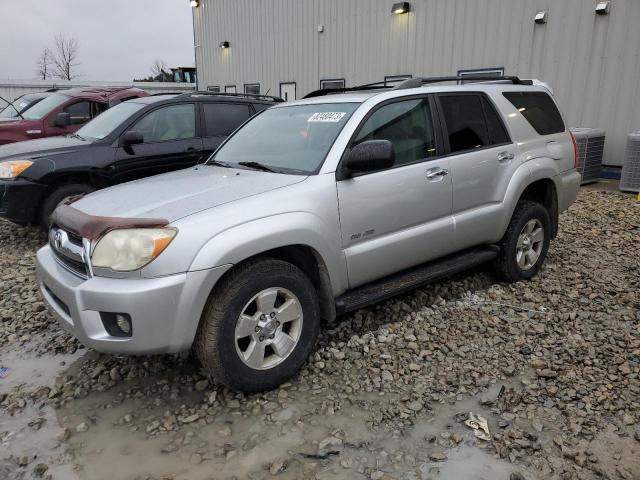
point(63, 435)
point(195, 459)
point(628, 419)
point(82, 427)
point(277, 466)
point(329, 443)
point(416, 406)
point(191, 418)
point(202, 385)
point(40, 469)
point(438, 456)
point(547, 373)
point(225, 431)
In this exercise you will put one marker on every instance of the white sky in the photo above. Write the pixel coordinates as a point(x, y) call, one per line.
point(119, 39)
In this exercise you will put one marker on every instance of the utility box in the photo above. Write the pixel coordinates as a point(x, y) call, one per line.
point(630, 178)
point(590, 150)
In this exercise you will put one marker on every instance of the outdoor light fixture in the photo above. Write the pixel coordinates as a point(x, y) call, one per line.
point(224, 44)
point(602, 8)
point(195, 3)
point(401, 7)
point(541, 17)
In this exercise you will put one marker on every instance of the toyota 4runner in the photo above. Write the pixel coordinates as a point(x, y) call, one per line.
point(312, 209)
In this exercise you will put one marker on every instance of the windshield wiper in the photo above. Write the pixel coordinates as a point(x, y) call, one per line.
point(79, 137)
point(218, 163)
point(257, 166)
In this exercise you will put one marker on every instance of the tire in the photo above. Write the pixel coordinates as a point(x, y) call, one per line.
point(57, 196)
point(236, 360)
point(522, 252)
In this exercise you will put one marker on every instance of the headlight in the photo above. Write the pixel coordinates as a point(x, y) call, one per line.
point(13, 168)
point(131, 249)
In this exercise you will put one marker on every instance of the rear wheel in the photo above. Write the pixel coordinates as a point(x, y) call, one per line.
point(523, 249)
point(259, 326)
point(61, 194)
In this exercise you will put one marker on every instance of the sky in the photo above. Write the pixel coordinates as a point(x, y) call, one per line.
point(119, 39)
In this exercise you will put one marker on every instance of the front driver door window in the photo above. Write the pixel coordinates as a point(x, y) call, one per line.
point(175, 122)
point(396, 218)
point(170, 142)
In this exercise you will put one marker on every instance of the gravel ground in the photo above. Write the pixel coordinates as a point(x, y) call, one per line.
point(553, 364)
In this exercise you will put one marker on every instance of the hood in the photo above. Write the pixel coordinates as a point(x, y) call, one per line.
point(179, 194)
point(41, 147)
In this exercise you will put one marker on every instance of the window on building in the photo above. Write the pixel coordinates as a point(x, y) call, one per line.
point(174, 122)
point(223, 118)
point(230, 89)
point(252, 88)
point(330, 84)
point(407, 125)
point(392, 80)
point(539, 109)
point(467, 125)
point(481, 72)
point(213, 88)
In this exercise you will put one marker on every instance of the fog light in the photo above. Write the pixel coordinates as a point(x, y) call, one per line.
point(117, 324)
point(123, 324)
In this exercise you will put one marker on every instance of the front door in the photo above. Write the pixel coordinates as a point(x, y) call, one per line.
point(170, 142)
point(288, 91)
point(220, 120)
point(400, 217)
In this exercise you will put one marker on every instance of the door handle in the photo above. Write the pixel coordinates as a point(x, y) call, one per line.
point(505, 157)
point(191, 149)
point(436, 172)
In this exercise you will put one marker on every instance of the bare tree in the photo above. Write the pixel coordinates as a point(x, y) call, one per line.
point(65, 59)
point(159, 70)
point(44, 64)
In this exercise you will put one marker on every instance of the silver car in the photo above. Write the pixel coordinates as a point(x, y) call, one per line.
point(311, 209)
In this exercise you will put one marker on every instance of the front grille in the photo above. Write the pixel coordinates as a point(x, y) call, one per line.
point(68, 251)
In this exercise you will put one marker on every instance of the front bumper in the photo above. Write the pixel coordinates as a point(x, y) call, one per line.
point(20, 200)
point(568, 186)
point(164, 311)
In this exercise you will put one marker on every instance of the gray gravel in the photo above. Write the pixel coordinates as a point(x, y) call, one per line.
point(553, 363)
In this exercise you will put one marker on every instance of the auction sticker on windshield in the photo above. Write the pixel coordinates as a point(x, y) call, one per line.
point(326, 117)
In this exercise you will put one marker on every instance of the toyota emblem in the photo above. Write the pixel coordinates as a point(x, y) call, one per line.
point(57, 239)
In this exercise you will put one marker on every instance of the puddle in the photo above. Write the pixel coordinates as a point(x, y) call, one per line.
point(32, 432)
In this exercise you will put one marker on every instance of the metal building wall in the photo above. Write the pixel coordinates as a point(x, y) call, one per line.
point(591, 61)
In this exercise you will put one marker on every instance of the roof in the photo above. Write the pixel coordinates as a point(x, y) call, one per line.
point(105, 93)
point(209, 96)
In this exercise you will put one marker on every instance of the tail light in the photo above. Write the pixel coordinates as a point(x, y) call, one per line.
point(575, 150)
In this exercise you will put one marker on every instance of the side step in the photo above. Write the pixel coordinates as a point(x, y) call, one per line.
point(410, 279)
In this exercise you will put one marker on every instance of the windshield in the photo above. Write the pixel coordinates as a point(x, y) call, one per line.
point(294, 139)
point(19, 105)
point(105, 123)
point(40, 109)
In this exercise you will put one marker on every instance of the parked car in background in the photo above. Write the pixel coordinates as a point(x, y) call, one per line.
point(135, 139)
point(313, 208)
point(21, 104)
point(64, 112)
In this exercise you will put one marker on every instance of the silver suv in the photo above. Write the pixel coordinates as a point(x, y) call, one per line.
point(311, 209)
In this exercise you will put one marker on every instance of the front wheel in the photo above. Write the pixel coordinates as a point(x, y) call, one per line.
point(523, 249)
point(259, 326)
point(55, 198)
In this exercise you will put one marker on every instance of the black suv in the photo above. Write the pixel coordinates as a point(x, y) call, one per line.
point(138, 138)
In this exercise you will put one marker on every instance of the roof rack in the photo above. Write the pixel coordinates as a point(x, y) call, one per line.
point(418, 82)
point(257, 96)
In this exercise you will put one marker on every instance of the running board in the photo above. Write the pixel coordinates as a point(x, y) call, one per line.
point(402, 282)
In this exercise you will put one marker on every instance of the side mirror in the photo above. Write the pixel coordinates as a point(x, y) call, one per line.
point(132, 138)
point(62, 119)
point(369, 156)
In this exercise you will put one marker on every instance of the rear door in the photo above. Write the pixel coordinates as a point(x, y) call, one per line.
point(482, 160)
point(171, 141)
point(400, 217)
point(220, 120)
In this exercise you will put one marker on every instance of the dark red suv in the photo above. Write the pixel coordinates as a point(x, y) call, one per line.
point(64, 112)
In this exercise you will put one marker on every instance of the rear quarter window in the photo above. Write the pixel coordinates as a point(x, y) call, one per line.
point(539, 110)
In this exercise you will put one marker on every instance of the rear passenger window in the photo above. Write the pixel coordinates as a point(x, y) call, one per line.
point(539, 110)
point(407, 125)
point(465, 122)
point(223, 118)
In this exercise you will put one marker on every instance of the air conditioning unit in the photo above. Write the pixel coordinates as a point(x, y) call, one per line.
point(590, 149)
point(630, 178)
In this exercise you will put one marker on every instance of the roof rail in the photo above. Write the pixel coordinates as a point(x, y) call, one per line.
point(257, 96)
point(329, 91)
point(418, 82)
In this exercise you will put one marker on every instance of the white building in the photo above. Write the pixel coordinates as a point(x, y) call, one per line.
point(588, 53)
